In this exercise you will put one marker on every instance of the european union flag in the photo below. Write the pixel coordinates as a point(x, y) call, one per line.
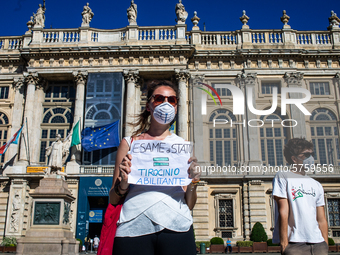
point(100, 137)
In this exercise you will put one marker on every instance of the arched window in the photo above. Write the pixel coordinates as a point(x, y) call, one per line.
point(56, 120)
point(273, 137)
point(325, 134)
point(102, 113)
point(222, 139)
point(3, 133)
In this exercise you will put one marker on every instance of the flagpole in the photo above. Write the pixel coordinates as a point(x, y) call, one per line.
point(28, 145)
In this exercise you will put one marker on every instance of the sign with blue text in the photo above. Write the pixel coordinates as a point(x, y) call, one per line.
point(155, 162)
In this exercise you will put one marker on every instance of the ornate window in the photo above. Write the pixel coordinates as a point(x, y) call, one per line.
point(3, 133)
point(222, 139)
point(56, 120)
point(225, 213)
point(324, 132)
point(225, 209)
point(319, 88)
point(333, 212)
point(267, 87)
point(273, 137)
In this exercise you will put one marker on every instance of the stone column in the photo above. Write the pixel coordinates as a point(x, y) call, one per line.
point(131, 79)
point(197, 129)
point(138, 96)
point(31, 80)
point(80, 78)
point(251, 137)
point(294, 80)
point(182, 77)
point(39, 98)
point(18, 85)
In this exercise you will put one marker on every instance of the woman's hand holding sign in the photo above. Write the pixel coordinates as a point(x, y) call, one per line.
point(194, 174)
point(124, 170)
point(194, 169)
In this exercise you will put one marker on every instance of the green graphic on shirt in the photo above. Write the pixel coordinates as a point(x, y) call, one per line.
point(300, 192)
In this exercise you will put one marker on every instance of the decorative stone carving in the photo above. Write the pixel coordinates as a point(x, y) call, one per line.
point(66, 216)
point(132, 13)
point(3, 185)
point(131, 76)
point(14, 225)
point(39, 17)
point(30, 24)
point(41, 85)
point(196, 78)
point(244, 19)
point(306, 64)
point(293, 78)
point(284, 19)
point(182, 75)
point(18, 83)
point(255, 182)
point(46, 213)
point(334, 21)
point(87, 15)
point(80, 76)
point(181, 14)
point(195, 21)
point(31, 78)
point(247, 79)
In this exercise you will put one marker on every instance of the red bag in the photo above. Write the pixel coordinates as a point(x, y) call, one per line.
point(109, 228)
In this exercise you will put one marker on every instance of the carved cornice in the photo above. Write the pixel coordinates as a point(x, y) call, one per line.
point(80, 77)
point(182, 75)
point(31, 78)
point(247, 79)
point(294, 78)
point(131, 76)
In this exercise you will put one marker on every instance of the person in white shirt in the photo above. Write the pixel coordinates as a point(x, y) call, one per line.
point(300, 221)
point(95, 242)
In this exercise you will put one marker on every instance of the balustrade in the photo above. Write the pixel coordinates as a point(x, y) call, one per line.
point(168, 33)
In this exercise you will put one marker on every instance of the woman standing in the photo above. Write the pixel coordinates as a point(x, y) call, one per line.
point(154, 219)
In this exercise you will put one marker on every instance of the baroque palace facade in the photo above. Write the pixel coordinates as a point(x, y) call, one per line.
point(51, 78)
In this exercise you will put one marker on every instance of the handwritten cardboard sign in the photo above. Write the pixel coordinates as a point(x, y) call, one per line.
point(160, 163)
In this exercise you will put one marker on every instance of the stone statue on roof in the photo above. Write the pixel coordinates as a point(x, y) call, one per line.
point(39, 17)
point(181, 14)
point(87, 16)
point(132, 13)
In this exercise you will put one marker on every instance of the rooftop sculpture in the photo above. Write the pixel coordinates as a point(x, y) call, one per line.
point(87, 16)
point(132, 13)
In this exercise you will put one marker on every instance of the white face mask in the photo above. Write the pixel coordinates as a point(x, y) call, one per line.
point(164, 113)
point(308, 162)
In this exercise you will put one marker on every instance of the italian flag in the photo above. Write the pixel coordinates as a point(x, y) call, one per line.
point(76, 138)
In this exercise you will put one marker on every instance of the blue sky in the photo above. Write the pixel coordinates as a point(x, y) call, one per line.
point(217, 15)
